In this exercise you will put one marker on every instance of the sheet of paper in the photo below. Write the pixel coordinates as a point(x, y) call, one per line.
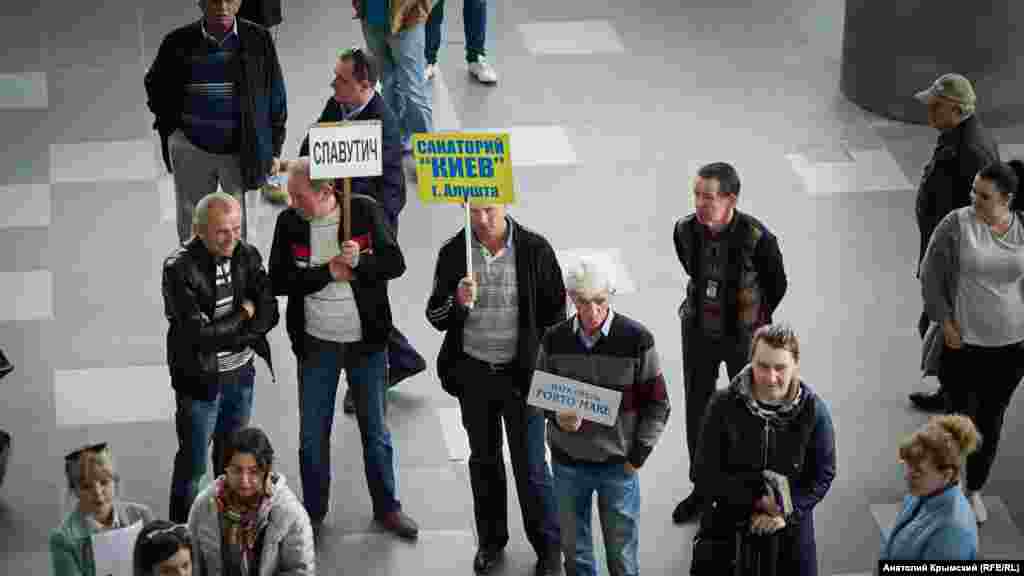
point(560, 394)
point(113, 549)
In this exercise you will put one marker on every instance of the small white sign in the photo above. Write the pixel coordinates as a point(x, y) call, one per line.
point(560, 394)
point(113, 549)
point(346, 150)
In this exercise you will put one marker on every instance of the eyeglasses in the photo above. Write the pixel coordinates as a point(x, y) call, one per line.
point(598, 301)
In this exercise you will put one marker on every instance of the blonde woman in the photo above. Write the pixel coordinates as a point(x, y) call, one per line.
point(936, 522)
point(92, 482)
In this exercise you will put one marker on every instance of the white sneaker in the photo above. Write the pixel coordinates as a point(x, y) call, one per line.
point(430, 72)
point(483, 72)
point(978, 506)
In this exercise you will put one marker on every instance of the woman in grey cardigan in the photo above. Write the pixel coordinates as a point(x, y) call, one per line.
point(972, 279)
point(248, 521)
point(92, 480)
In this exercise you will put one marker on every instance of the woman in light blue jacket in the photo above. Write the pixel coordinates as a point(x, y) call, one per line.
point(92, 481)
point(936, 522)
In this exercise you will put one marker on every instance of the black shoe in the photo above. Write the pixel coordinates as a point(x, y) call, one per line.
point(485, 560)
point(687, 510)
point(550, 565)
point(348, 404)
point(929, 402)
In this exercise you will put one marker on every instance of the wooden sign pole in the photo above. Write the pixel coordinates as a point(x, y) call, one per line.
point(469, 247)
point(346, 205)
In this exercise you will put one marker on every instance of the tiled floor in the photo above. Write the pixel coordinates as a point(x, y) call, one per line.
point(611, 111)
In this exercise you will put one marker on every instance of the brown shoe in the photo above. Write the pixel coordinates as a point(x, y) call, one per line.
point(400, 524)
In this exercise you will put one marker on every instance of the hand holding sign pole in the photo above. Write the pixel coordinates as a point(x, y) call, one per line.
point(345, 150)
point(459, 167)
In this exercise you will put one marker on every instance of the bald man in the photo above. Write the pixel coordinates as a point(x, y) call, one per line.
point(219, 305)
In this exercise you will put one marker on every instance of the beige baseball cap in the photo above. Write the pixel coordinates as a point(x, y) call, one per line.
point(952, 87)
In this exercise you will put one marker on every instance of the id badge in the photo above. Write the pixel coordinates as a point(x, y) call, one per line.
point(712, 290)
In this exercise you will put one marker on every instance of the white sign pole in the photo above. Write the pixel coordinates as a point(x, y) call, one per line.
point(469, 248)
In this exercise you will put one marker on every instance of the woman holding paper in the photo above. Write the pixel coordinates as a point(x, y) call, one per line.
point(936, 522)
point(91, 479)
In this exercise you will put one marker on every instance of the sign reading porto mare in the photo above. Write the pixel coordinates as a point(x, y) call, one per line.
point(456, 166)
point(560, 394)
point(345, 149)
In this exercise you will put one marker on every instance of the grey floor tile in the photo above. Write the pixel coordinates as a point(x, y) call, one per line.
point(89, 103)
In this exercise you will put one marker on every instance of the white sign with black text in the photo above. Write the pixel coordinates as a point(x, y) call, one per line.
point(346, 150)
point(560, 394)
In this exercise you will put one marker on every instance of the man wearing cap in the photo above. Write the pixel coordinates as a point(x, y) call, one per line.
point(964, 147)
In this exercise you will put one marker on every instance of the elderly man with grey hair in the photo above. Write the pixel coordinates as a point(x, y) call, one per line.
point(612, 351)
point(219, 306)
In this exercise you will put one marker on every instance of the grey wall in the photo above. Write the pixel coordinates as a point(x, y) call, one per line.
point(894, 48)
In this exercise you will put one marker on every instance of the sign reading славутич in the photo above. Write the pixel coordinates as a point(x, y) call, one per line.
point(345, 150)
point(560, 394)
point(456, 166)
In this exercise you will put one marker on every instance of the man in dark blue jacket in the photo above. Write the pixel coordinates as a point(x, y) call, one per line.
point(218, 95)
point(767, 425)
point(355, 75)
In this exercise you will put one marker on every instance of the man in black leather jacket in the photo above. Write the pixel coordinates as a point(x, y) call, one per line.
point(218, 301)
point(963, 149)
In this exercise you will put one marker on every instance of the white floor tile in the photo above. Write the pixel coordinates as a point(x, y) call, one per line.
point(612, 257)
point(454, 434)
point(571, 38)
point(103, 161)
point(537, 145)
point(26, 295)
point(24, 91)
point(998, 538)
point(25, 206)
point(168, 201)
point(113, 395)
point(446, 118)
point(870, 171)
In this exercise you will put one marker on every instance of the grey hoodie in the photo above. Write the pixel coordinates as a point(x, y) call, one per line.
point(287, 545)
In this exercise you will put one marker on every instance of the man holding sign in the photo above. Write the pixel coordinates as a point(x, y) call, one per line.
point(612, 353)
point(354, 99)
point(492, 325)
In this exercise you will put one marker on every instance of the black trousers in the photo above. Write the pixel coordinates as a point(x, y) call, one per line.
point(702, 359)
point(980, 382)
point(488, 399)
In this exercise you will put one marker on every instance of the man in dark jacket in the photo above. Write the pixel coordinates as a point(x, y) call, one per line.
point(768, 424)
point(338, 318)
point(218, 301)
point(963, 149)
point(355, 75)
point(493, 325)
point(736, 281)
point(218, 95)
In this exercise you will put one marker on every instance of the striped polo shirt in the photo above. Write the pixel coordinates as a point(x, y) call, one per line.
point(491, 332)
point(228, 360)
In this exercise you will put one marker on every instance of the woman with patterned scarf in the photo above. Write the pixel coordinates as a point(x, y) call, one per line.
point(766, 457)
point(248, 522)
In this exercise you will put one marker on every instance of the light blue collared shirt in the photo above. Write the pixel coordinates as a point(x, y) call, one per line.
point(233, 31)
point(349, 114)
point(606, 327)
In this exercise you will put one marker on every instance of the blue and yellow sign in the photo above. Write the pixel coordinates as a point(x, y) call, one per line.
point(454, 167)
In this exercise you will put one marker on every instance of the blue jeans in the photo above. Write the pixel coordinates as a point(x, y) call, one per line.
point(403, 85)
point(199, 421)
point(618, 502)
point(474, 22)
point(319, 371)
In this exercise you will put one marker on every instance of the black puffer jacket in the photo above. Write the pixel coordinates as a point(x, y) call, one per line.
point(190, 296)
